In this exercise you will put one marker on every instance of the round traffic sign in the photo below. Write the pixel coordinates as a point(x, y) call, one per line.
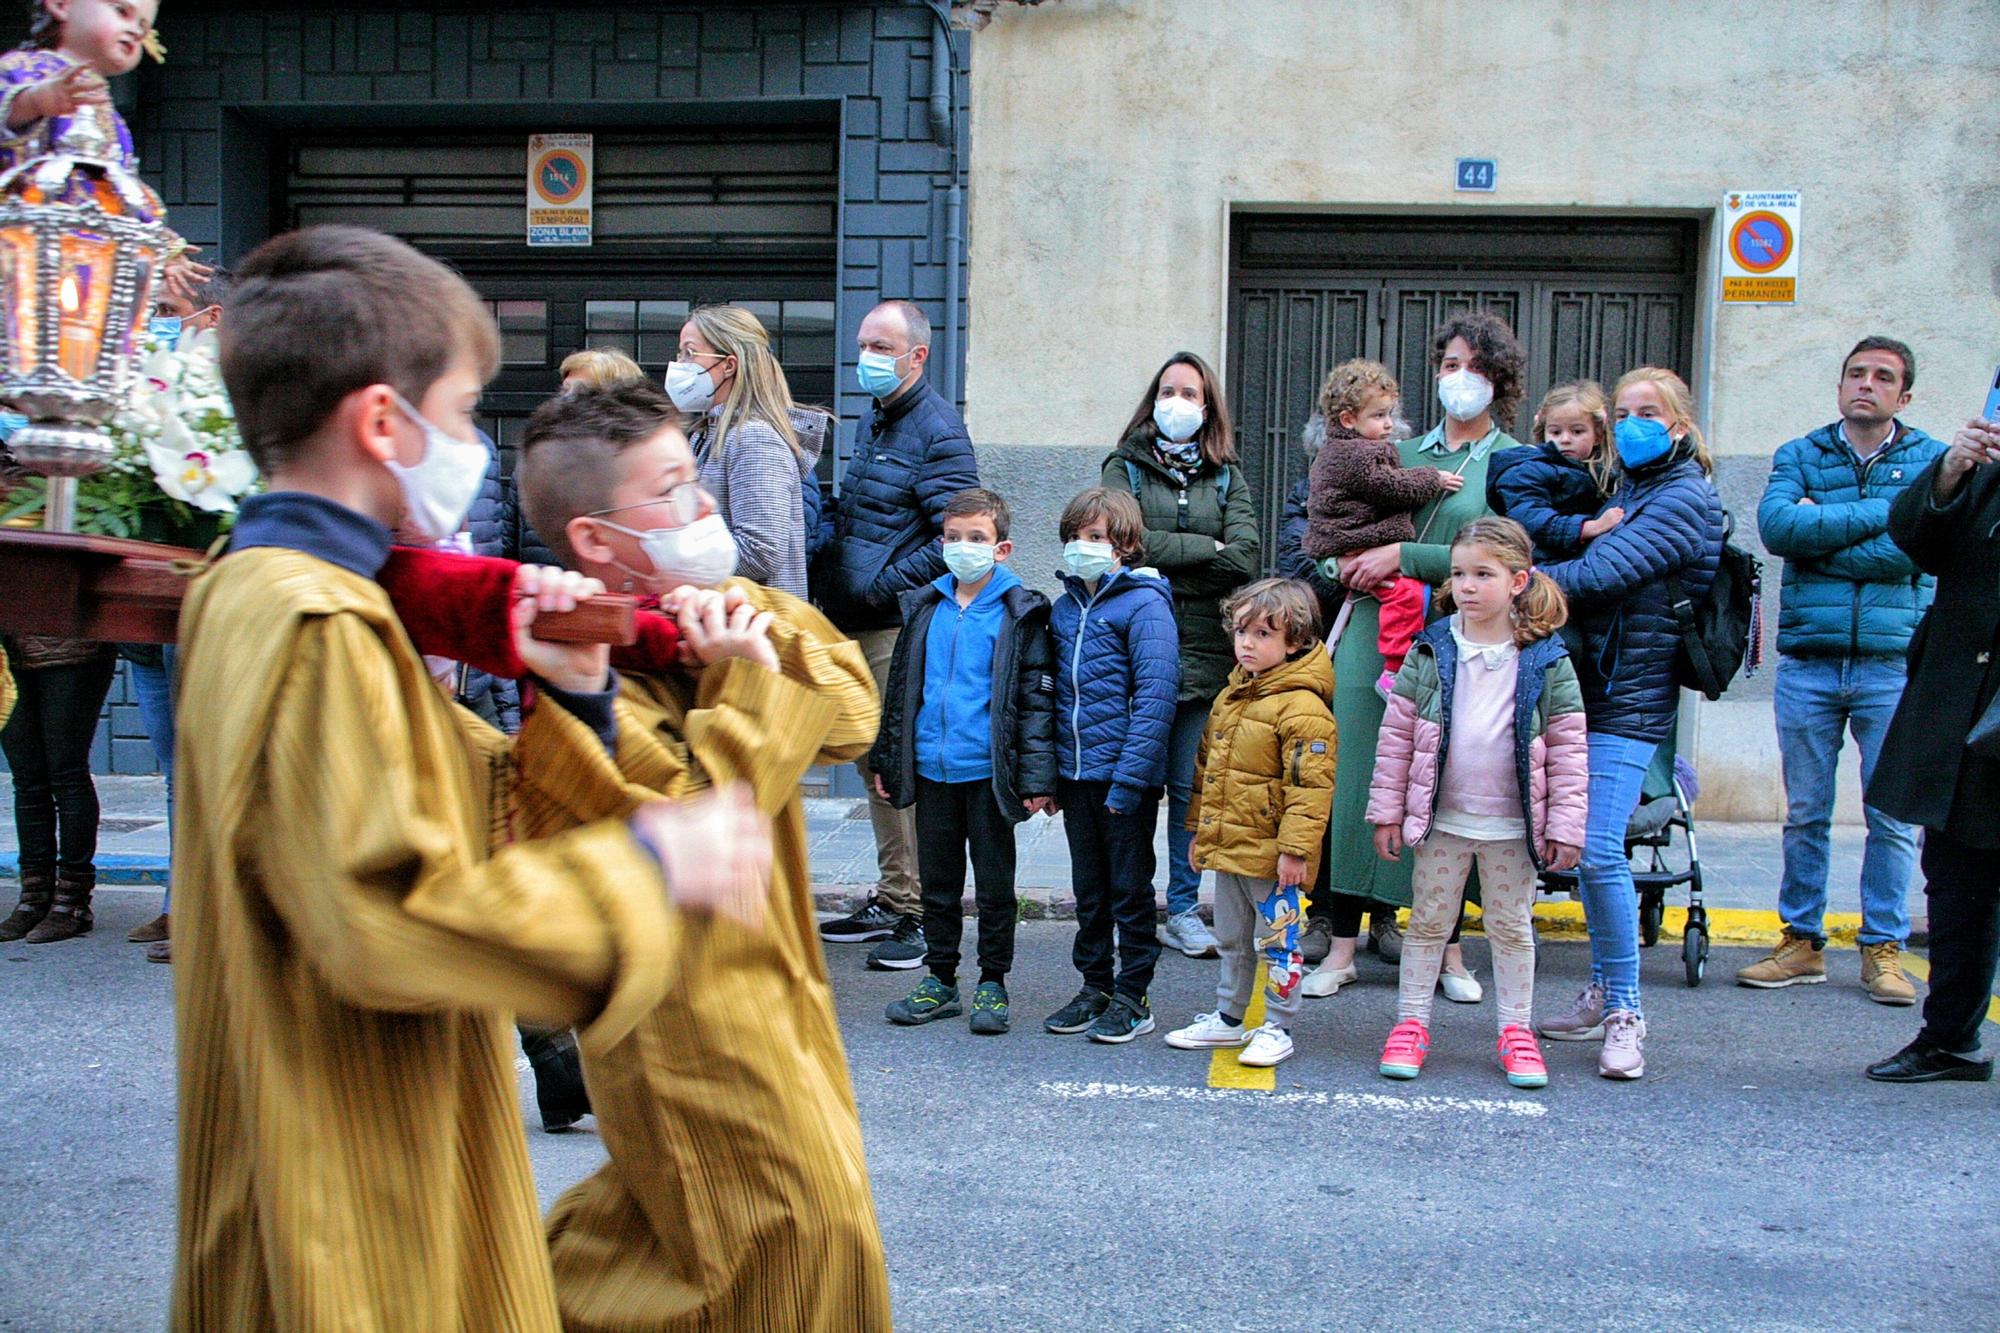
point(1760, 242)
point(559, 176)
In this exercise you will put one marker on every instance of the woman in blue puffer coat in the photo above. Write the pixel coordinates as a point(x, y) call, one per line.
point(1621, 592)
point(1118, 675)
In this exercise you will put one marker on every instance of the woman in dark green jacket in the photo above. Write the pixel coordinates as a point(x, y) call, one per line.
point(1178, 457)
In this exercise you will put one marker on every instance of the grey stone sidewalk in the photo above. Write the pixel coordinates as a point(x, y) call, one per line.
point(1740, 862)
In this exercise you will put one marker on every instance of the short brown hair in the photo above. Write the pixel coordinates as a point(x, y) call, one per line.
point(1351, 384)
point(978, 500)
point(1117, 510)
point(319, 313)
point(569, 454)
point(1288, 604)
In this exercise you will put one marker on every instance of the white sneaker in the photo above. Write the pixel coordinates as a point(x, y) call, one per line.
point(1326, 979)
point(1461, 987)
point(1269, 1045)
point(1187, 932)
point(1209, 1031)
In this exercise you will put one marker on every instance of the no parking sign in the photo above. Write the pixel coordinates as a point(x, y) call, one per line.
point(559, 189)
point(1760, 247)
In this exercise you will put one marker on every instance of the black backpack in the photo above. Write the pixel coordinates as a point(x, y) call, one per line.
point(1727, 626)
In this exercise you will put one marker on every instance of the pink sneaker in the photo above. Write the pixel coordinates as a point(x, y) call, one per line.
point(1522, 1058)
point(1403, 1054)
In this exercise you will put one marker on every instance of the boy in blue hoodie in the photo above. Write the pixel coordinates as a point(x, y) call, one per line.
point(968, 738)
point(1117, 677)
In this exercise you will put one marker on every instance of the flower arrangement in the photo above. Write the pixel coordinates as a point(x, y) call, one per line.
point(178, 466)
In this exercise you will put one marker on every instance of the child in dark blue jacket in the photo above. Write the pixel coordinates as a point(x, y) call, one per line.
point(1555, 488)
point(967, 736)
point(1117, 677)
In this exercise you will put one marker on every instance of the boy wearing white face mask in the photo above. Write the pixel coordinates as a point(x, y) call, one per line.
point(1118, 674)
point(968, 740)
point(769, 688)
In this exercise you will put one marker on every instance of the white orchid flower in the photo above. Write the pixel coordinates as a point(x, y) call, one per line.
point(194, 474)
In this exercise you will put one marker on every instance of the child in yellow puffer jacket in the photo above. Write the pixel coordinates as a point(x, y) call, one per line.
point(1263, 785)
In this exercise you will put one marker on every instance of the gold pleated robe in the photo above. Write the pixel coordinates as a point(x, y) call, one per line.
point(348, 960)
point(737, 1194)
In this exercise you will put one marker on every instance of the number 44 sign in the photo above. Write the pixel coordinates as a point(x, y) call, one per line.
point(559, 189)
point(1760, 247)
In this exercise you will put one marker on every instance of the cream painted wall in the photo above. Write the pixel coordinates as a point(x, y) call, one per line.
point(1110, 138)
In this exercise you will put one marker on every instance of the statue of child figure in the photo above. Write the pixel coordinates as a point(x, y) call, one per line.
point(54, 99)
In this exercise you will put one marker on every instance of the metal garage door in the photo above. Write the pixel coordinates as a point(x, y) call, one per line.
point(1588, 299)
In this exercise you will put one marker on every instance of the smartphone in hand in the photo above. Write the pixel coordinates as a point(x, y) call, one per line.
point(1992, 409)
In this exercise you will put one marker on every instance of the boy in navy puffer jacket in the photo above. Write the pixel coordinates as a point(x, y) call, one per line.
point(1117, 657)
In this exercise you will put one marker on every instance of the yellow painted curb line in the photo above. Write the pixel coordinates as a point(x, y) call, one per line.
point(1920, 968)
point(1726, 925)
point(1225, 1071)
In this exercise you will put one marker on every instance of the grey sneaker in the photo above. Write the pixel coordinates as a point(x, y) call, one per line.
point(1583, 1021)
point(1316, 941)
point(903, 950)
point(1624, 1053)
point(1187, 932)
point(989, 1009)
point(1386, 938)
point(930, 1001)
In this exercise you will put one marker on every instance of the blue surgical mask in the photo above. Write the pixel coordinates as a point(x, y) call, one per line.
point(166, 330)
point(1642, 440)
point(9, 423)
point(1089, 561)
point(968, 562)
point(876, 372)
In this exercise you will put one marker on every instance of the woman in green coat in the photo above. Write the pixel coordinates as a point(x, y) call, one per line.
point(1478, 364)
point(1178, 457)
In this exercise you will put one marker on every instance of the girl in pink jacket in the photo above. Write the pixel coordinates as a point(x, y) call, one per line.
point(1482, 757)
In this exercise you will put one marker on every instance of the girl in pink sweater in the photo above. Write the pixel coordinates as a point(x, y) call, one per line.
point(1458, 781)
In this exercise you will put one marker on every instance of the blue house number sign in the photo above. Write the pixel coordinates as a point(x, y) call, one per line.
point(1476, 173)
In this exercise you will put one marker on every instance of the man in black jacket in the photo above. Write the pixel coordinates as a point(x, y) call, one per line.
point(879, 540)
point(1948, 520)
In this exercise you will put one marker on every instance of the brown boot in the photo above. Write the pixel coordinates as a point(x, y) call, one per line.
point(156, 929)
point(1797, 961)
point(1882, 973)
point(160, 951)
point(38, 890)
point(69, 916)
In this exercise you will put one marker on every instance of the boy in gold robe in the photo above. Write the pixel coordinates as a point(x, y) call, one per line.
point(737, 1194)
point(350, 956)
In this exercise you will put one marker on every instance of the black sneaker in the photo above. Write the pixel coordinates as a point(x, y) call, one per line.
point(989, 1009)
point(903, 950)
point(870, 921)
point(1123, 1020)
point(1079, 1013)
point(930, 1001)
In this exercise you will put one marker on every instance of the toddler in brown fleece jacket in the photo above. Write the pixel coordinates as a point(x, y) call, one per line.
point(1362, 496)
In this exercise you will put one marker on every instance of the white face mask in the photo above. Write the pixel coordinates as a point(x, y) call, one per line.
point(701, 553)
point(691, 387)
point(1464, 394)
point(439, 488)
point(1177, 418)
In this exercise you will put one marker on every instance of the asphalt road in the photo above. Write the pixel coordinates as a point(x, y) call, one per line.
point(1753, 1179)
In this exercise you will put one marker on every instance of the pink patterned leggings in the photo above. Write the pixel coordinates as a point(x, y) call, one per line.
point(1507, 899)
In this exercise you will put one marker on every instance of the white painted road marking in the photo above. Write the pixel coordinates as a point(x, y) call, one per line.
point(1346, 1101)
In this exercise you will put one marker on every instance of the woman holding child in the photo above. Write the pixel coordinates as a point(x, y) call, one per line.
point(1177, 456)
point(1479, 370)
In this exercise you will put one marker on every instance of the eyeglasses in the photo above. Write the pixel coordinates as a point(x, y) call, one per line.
point(683, 503)
point(691, 354)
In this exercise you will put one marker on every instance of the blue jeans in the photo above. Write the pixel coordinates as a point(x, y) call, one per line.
point(1818, 700)
point(1610, 909)
point(1183, 747)
point(154, 686)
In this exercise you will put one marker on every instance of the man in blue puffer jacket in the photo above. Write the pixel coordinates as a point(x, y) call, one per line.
point(879, 540)
point(1852, 598)
point(1118, 677)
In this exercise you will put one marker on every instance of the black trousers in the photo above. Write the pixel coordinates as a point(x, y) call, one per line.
point(47, 743)
point(952, 818)
point(1111, 865)
point(1963, 886)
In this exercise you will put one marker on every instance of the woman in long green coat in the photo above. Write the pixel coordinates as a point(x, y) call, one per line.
point(1178, 457)
point(1478, 364)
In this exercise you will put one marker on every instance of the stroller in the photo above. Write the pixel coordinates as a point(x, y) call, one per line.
point(1665, 805)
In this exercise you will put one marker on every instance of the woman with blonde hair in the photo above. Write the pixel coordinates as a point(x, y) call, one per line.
point(1622, 589)
point(753, 446)
point(598, 368)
